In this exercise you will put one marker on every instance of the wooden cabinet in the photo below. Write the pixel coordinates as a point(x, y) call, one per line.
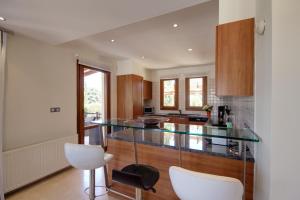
point(235, 58)
point(182, 120)
point(129, 96)
point(147, 90)
point(162, 158)
point(172, 119)
point(197, 123)
point(178, 120)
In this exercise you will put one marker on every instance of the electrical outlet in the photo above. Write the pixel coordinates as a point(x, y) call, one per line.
point(55, 109)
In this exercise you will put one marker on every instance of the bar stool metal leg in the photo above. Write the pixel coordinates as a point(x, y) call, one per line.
point(92, 185)
point(138, 194)
point(106, 176)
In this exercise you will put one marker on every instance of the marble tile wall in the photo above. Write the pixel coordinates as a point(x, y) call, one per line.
point(242, 107)
point(243, 111)
point(213, 100)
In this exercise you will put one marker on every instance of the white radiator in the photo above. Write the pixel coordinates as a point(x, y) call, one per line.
point(28, 164)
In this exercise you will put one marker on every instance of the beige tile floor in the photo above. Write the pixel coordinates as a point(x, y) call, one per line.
point(67, 185)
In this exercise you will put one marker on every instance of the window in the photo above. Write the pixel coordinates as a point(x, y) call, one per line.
point(169, 94)
point(195, 93)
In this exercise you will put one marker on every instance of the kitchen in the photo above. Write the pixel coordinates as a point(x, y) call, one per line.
point(194, 87)
point(213, 99)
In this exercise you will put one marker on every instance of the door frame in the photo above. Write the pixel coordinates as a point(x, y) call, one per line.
point(80, 97)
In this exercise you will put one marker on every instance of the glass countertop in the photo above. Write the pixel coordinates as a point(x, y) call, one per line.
point(244, 134)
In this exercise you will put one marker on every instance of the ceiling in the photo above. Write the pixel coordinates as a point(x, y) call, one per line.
point(142, 29)
point(59, 21)
point(155, 43)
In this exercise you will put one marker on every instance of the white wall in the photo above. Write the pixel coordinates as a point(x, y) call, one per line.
point(180, 73)
point(3, 40)
point(40, 76)
point(277, 97)
point(233, 10)
point(132, 67)
point(263, 99)
point(285, 159)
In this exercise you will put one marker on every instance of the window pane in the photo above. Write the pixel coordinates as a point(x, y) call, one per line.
point(196, 92)
point(169, 93)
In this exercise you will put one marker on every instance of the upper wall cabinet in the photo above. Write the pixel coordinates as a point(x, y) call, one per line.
point(235, 58)
point(147, 90)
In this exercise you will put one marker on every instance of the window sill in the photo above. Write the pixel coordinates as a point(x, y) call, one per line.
point(194, 108)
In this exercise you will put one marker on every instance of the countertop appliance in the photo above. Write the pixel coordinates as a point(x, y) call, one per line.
point(148, 110)
point(194, 118)
point(221, 114)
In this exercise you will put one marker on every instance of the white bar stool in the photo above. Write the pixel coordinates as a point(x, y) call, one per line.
point(191, 185)
point(87, 157)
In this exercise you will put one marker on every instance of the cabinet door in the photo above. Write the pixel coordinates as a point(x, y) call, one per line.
point(137, 95)
point(197, 123)
point(124, 97)
point(235, 58)
point(172, 119)
point(147, 90)
point(182, 120)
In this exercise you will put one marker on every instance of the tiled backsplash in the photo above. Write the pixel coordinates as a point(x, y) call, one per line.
point(213, 100)
point(242, 108)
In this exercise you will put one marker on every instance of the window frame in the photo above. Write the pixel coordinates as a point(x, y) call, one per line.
point(187, 94)
point(162, 107)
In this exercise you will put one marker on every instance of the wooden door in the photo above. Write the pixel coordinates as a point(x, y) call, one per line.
point(80, 98)
point(235, 58)
point(80, 103)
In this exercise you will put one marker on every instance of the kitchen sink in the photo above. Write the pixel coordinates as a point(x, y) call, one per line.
point(177, 114)
point(219, 125)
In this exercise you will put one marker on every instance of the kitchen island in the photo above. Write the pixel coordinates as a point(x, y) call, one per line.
point(189, 146)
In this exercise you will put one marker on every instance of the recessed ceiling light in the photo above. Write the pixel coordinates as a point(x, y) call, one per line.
point(143, 57)
point(175, 25)
point(2, 19)
point(112, 40)
point(190, 49)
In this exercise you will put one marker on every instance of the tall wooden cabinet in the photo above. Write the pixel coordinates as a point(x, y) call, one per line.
point(129, 96)
point(235, 58)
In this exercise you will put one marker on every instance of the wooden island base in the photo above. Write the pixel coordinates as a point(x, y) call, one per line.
point(162, 158)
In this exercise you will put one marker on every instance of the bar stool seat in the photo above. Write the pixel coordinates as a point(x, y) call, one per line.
point(137, 175)
point(191, 185)
point(87, 157)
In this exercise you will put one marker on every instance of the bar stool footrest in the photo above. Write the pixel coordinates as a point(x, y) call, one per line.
point(106, 191)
